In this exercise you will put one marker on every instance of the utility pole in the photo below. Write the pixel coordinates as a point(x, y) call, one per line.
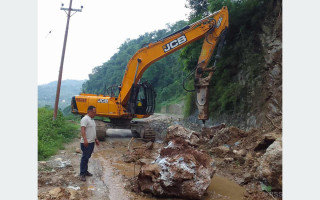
point(63, 52)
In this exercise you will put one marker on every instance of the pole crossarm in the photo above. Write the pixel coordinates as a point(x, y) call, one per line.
point(72, 9)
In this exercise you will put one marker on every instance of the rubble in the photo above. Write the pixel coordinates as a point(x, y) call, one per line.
point(179, 171)
point(227, 135)
point(270, 168)
point(182, 166)
point(149, 145)
point(177, 131)
point(61, 193)
point(138, 153)
point(267, 140)
point(78, 150)
point(220, 151)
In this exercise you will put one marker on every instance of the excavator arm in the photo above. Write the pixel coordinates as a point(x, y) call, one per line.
point(209, 27)
point(212, 28)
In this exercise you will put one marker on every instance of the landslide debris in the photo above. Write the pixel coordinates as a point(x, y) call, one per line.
point(180, 170)
point(252, 158)
point(57, 179)
point(185, 166)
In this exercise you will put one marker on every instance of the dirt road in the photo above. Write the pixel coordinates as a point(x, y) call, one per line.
point(58, 178)
point(110, 175)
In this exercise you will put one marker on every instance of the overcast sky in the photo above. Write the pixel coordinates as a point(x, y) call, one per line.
point(96, 33)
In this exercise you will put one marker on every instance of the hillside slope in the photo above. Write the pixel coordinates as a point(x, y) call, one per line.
point(246, 90)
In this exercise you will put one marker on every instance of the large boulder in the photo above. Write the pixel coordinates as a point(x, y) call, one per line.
point(179, 171)
point(270, 168)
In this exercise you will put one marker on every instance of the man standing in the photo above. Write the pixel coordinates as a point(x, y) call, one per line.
point(88, 138)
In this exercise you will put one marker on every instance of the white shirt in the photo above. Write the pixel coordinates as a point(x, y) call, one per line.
point(90, 125)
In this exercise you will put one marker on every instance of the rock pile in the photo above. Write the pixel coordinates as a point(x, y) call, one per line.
point(254, 152)
point(180, 170)
point(176, 131)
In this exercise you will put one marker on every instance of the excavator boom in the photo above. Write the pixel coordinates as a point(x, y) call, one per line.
point(130, 103)
point(210, 26)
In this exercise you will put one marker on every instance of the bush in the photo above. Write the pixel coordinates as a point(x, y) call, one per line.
point(52, 134)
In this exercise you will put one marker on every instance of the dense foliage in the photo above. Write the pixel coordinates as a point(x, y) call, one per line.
point(52, 134)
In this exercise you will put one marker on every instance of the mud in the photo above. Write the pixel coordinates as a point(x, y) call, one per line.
point(237, 154)
point(58, 178)
point(117, 173)
point(112, 175)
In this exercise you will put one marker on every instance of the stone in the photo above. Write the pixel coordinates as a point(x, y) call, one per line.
point(78, 150)
point(228, 159)
point(178, 131)
point(73, 194)
point(270, 168)
point(220, 151)
point(57, 193)
point(247, 177)
point(266, 141)
point(223, 135)
point(240, 152)
point(275, 72)
point(144, 161)
point(149, 145)
point(179, 171)
point(271, 136)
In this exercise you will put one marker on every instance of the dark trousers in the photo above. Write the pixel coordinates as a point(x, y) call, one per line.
point(86, 154)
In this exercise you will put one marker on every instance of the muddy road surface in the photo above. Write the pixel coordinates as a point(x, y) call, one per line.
point(59, 176)
point(113, 175)
point(116, 173)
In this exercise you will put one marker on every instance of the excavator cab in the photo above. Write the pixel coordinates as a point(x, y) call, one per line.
point(142, 99)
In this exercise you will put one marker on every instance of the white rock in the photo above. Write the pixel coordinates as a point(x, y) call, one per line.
point(270, 168)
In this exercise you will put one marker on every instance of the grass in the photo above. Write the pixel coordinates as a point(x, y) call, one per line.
point(53, 134)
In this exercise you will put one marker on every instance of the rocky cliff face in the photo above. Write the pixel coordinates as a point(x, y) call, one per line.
point(262, 104)
point(271, 40)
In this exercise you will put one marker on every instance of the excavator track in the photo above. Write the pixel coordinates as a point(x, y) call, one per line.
point(144, 130)
point(138, 128)
point(101, 129)
point(149, 135)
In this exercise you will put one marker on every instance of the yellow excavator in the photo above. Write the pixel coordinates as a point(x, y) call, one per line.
point(137, 100)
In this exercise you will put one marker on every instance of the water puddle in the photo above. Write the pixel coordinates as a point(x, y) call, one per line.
point(222, 188)
point(114, 168)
